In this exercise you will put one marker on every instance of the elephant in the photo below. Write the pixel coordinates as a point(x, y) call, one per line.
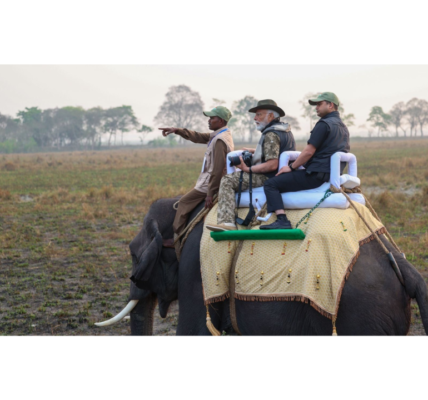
point(373, 301)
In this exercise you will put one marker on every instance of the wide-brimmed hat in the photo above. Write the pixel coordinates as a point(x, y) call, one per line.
point(267, 105)
point(326, 96)
point(219, 111)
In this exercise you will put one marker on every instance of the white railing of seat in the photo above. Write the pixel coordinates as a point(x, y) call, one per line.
point(286, 157)
point(335, 177)
point(335, 161)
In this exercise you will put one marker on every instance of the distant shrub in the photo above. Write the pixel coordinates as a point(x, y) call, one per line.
point(9, 166)
point(5, 194)
point(163, 142)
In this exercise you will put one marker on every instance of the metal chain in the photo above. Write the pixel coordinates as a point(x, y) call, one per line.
point(308, 214)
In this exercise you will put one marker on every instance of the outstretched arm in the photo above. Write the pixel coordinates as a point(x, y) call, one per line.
point(187, 134)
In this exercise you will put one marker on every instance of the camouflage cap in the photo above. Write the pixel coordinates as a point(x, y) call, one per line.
point(326, 96)
point(219, 111)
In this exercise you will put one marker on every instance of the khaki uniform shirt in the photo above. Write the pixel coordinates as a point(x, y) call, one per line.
point(209, 182)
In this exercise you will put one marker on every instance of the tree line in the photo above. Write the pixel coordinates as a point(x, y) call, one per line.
point(183, 107)
point(66, 127)
point(405, 117)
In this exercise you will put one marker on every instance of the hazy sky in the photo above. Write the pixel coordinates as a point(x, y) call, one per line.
point(144, 86)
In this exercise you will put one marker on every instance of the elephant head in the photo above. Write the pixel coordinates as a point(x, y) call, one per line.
point(154, 270)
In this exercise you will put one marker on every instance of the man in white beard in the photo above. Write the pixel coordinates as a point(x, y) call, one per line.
point(276, 137)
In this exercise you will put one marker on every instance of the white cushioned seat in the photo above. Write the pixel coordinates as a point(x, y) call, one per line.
point(309, 198)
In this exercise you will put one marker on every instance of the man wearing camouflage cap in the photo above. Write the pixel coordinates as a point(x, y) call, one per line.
point(219, 142)
point(328, 136)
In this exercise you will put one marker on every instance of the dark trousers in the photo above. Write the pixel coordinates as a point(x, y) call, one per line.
point(290, 182)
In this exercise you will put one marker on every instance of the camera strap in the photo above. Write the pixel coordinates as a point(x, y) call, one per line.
point(252, 212)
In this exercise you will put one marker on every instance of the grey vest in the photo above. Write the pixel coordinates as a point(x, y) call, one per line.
point(287, 143)
point(337, 140)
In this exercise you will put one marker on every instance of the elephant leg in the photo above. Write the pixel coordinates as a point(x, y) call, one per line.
point(191, 308)
point(280, 318)
point(142, 316)
point(373, 300)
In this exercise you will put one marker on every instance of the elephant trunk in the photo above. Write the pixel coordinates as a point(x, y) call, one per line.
point(142, 316)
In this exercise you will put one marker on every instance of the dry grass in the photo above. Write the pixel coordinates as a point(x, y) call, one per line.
point(67, 218)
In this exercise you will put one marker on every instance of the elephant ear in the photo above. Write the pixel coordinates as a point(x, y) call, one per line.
point(144, 265)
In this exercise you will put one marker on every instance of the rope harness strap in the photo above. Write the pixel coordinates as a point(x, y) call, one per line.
point(390, 256)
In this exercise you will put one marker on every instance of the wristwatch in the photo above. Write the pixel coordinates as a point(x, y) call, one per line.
point(291, 167)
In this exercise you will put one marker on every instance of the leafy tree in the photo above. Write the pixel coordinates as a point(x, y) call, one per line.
point(93, 122)
point(417, 110)
point(119, 119)
point(9, 128)
point(379, 119)
point(397, 113)
point(52, 127)
point(128, 120)
point(145, 130)
point(242, 122)
point(31, 119)
point(309, 111)
point(71, 123)
point(217, 102)
point(182, 108)
point(412, 111)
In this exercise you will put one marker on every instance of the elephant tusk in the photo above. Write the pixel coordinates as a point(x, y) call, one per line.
point(119, 316)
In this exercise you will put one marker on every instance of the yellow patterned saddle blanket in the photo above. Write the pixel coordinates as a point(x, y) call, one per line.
point(312, 270)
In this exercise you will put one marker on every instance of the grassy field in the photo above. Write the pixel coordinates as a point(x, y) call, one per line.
point(66, 220)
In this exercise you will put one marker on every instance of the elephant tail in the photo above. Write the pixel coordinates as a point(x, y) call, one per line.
point(414, 283)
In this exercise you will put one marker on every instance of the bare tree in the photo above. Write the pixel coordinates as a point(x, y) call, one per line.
point(422, 114)
point(182, 108)
point(294, 122)
point(379, 119)
point(308, 110)
point(412, 111)
point(242, 122)
point(348, 119)
point(398, 111)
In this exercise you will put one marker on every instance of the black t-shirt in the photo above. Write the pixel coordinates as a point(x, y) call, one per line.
point(327, 142)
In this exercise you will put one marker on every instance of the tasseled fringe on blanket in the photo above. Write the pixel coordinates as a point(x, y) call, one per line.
point(302, 299)
point(216, 299)
point(380, 231)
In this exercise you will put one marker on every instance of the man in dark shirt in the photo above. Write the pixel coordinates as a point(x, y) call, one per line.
point(329, 136)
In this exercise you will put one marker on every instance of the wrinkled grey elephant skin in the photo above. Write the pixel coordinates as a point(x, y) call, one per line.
point(154, 268)
point(373, 300)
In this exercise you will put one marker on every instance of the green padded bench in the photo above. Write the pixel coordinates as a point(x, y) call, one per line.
point(257, 234)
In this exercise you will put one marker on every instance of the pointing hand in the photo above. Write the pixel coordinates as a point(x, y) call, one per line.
point(167, 131)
